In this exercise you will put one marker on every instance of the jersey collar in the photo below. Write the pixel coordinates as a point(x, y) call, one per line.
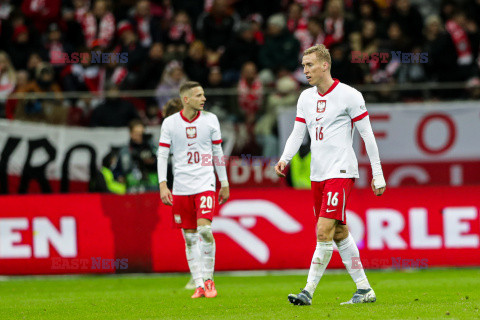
point(335, 82)
point(185, 118)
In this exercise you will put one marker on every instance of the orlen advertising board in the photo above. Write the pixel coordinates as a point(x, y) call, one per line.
point(255, 229)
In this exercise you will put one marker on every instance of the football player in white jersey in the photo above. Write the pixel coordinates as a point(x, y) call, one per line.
point(193, 135)
point(329, 110)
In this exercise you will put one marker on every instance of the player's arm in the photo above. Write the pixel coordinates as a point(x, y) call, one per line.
point(365, 129)
point(220, 168)
point(294, 142)
point(162, 163)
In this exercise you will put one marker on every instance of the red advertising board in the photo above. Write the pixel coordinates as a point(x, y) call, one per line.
point(256, 229)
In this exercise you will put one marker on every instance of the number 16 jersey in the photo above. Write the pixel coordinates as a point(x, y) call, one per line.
point(329, 118)
point(189, 142)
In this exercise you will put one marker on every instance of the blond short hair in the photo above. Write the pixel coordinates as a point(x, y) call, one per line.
point(321, 51)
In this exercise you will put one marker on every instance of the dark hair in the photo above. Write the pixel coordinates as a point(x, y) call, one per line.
point(134, 123)
point(188, 85)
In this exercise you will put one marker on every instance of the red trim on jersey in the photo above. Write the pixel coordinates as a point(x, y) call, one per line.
point(360, 117)
point(335, 82)
point(300, 119)
point(166, 145)
point(189, 121)
point(217, 141)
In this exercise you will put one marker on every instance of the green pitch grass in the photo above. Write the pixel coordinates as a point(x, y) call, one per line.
point(423, 294)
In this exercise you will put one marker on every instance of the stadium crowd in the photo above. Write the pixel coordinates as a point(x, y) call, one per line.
point(253, 46)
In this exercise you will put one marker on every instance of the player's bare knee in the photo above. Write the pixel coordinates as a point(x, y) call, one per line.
point(206, 233)
point(341, 233)
point(324, 234)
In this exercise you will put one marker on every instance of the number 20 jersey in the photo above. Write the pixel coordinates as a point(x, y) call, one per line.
point(189, 141)
point(329, 119)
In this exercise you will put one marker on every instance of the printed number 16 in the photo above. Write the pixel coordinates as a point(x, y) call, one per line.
point(319, 133)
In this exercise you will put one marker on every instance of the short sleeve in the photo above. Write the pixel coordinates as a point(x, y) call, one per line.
point(300, 117)
point(216, 134)
point(165, 135)
point(356, 107)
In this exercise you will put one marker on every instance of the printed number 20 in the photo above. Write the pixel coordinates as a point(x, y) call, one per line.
point(319, 133)
point(193, 157)
point(206, 202)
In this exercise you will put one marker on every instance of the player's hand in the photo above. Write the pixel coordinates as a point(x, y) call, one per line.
point(378, 185)
point(279, 168)
point(166, 195)
point(223, 195)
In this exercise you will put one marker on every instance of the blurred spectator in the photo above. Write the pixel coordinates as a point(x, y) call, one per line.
point(442, 56)
point(112, 184)
point(41, 13)
point(21, 47)
point(285, 95)
point(151, 70)
point(409, 19)
point(114, 112)
point(99, 24)
point(342, 66)
point(46, 110)
point(8, 80)
point(337, 24)
point(295, 20)
point(72, 28)
point(173, 76)
point(310, 36)
point(34, 60)
point(6, 8)
point(84, 76)
point(219, 103)
point(217, 27)
point(462, 32)
point(138, 161)
point(151, 116)
point(411, 72)
point(146, 27)
point(195, 63)
point(179, 36)
point(240, 49)
point(172, 106)
point(256, 22)
point(129, 44)
point(192, 8)
point(81, 9)
point(281, 47)
point(250, 92)
point(311, 7)
point(54, 44)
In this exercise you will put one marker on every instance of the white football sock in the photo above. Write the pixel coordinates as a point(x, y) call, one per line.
point(194, 257)
point(351, 259)
point(207, 249)
point(320, 260)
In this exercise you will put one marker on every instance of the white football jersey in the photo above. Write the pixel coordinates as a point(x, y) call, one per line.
point(329, 119)
point(189, 141)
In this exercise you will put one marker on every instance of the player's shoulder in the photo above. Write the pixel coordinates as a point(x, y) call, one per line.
point(346, 89)
point(349, 92)
point(209, 115)
point(170, 119)
point(308, 92)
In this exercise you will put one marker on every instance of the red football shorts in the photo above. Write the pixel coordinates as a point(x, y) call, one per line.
point(330, 198)
point(188, 209)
